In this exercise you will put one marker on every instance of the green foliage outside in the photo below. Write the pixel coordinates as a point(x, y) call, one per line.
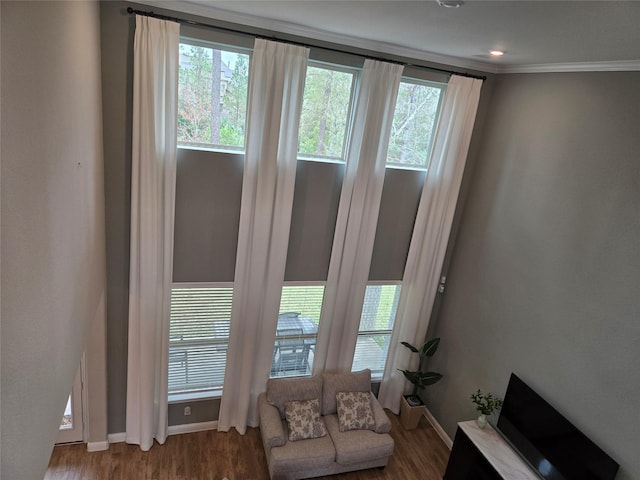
point(413, 124)
point(307, 300)
point(212, 106)
point(379, 312)
point(212, 103)
point(325, 111)
point(212, 96)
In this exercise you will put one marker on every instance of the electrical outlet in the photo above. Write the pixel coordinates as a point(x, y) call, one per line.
point(187, 410)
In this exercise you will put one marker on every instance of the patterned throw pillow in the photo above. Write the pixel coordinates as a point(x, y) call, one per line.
point(354, 411)
point(304, 420)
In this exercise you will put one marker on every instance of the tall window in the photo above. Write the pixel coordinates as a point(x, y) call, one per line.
point(212, 109)
point(198, 339)
point(414, 123)
point(297, 330)
point(324, 125)
point(376, 325)
point(212, 97)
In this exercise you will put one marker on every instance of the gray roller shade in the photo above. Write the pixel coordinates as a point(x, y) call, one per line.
point(398, 208)
point(313, 220)
point(208, 196)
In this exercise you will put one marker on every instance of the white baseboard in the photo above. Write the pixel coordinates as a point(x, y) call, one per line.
point(117, 437)
point(192, 427)
point(172, 430)
point(439, 430)
point(97, 446)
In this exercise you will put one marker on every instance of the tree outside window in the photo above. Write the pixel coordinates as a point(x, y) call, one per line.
point(414, 123)
point(212, 97)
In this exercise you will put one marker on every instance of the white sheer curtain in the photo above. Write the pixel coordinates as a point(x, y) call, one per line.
point(275, 100)
point(154, 142)
point(357, 216)
point(431, 232)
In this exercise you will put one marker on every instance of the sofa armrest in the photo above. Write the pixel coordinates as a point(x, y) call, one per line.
point(383, 425)
point(273, 434)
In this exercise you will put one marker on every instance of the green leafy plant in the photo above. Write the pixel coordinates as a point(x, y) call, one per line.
point(487, 403)
point(418, 378)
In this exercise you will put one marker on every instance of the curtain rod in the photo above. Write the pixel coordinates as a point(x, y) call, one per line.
point(300, 44)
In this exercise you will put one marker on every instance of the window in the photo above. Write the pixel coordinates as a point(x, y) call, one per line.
point(376, 324)
point(414, 123)
point(198, 339)
point(212, 97)
point(297, 330)
point(326, 105)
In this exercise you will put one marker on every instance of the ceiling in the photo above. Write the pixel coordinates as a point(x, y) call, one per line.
point(535, 35)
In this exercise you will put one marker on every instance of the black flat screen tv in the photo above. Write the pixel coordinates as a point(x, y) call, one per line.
point(553, 446)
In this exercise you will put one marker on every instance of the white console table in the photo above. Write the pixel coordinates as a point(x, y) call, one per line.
point(483, 453)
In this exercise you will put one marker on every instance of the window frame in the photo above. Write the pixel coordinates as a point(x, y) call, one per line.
point(355, 81)
point(375, 374)
point(427, 83)
point(231, 49)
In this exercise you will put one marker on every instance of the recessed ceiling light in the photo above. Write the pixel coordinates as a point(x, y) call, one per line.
point(450, 3)
point(496, 53)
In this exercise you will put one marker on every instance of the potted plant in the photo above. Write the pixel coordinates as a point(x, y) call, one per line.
point(486, 404)
point(411, 406)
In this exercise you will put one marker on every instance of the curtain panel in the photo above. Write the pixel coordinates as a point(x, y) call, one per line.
point(153, 179)
point(275, 94)
point(357, 216)
point(431, 232)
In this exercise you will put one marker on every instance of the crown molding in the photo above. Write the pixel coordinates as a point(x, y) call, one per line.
point(615, 66)
point(202, 10)
point(195, 7)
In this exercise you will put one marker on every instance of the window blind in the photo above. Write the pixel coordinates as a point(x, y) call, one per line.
point(198, 338)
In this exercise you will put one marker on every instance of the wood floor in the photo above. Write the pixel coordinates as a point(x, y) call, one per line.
point(419, 454)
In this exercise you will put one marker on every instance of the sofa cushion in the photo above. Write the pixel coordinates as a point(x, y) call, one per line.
point(303, 420)
point(342, 382)
point(309, 454)
point(356, 446)
point(354, 411)
point(283, 390)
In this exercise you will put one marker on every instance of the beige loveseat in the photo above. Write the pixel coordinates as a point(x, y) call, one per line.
point(335, 452)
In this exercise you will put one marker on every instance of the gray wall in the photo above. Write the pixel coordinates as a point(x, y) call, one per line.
point(545, 274)
point(117, 90)
point(53, 245)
